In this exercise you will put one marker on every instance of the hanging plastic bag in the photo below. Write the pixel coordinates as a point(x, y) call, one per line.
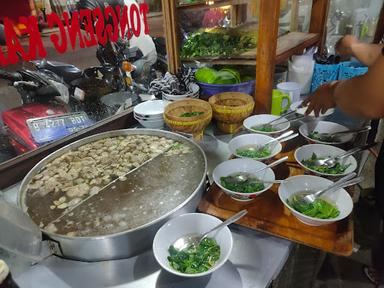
point(300, 70)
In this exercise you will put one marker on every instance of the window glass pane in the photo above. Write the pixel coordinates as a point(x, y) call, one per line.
point(45, 100)
point(357, 17)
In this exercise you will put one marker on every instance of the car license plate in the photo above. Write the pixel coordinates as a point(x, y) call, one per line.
point(52, 128)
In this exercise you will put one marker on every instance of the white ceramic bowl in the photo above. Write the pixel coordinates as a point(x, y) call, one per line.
point(307, 183)
point(189, 224)
point(324, 151)
point(169, 99)
point(150, 108)
point(302, 110)
point(149, 118)
point(194, 93)
point(324, 127)
point(243, 165)
point(254, 140)
point(156, 124)
point(258, 120)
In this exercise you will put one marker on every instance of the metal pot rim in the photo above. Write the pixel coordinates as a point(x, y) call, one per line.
point(115, 133)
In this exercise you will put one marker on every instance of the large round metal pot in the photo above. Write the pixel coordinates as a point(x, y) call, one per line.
point(124, 244)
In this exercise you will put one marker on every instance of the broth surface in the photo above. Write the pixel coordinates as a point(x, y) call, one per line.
point(128, 201)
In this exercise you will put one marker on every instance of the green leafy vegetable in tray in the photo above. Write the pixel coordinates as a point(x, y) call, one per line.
point(242, 187)
point(218, 42)
point(251, 152)
point(316, 136)
point(267, 129)
point(195, 259)
point(191, 114)
point(337, 169)
point(319, 209)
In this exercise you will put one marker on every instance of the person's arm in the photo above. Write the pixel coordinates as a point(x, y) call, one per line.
point(366, 53)
point(361, 96)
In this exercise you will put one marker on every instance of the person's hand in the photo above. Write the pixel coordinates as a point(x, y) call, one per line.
point(344, 45)
point(321, 100)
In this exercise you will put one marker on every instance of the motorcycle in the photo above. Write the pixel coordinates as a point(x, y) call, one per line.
point(44, 115)
point(88, 88)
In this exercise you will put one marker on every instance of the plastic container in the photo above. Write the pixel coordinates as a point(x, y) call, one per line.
point(324, 73)
point(351, 69)
point(293, 89)
point(208, 90)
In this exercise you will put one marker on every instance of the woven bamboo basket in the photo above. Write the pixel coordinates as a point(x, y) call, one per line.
point(230, 109)
point(194, 125)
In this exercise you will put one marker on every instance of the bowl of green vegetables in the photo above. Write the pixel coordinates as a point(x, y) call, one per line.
point(226, 177)
point(256, 124)
point(315, 132)
point(253, 146)
point(307, 155)
point(198, 261)
point(327, 209)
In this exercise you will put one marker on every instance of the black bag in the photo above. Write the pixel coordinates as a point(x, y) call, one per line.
point(379, 182)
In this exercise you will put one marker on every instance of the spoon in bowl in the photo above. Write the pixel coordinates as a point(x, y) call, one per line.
point(283, 138)
point(331, 162)
point(256, 148)
point(194, 240)
point(335, 134)
point(269, 125)
point(241, 177)
point(343, 182)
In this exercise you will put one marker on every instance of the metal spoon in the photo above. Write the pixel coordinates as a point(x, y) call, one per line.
point(332, 161)
point(355, 131)
point(269, 125)
point(343, 182)
point(283, 138)
point(195, 239)
point(242, 177)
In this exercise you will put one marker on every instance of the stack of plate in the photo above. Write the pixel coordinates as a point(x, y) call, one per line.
point(150, 114)
point(194, 90)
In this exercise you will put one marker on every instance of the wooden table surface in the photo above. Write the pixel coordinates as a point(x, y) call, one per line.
point(268, 214)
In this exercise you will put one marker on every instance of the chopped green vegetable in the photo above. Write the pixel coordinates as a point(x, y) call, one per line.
point(242, 187)
point(316, 136)
point(263, 128)
point(337, 169)
point(195, 259)
point(319, 209)
point(251, 152)
point(191, 114)
point(177, 146)
point(218, 42)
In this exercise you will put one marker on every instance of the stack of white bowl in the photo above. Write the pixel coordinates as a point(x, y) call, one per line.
point(150, 114)
point(194, 90)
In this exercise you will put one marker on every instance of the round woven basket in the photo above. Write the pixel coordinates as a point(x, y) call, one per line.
point(230, 109)
point(192, 125)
